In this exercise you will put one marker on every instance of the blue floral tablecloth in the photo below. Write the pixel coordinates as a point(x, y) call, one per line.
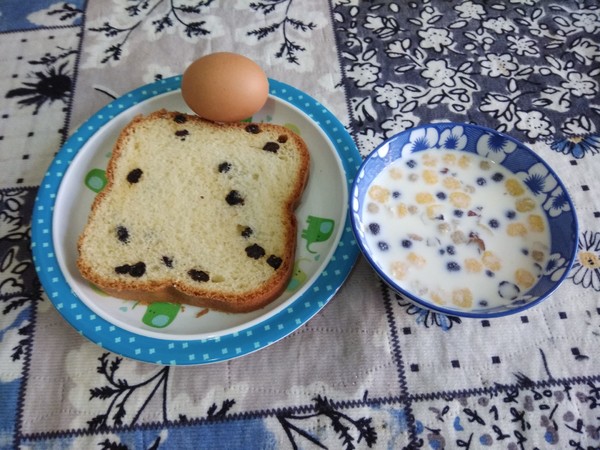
point(370, 370)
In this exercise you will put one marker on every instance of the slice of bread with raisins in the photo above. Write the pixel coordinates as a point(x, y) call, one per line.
point(197, 212)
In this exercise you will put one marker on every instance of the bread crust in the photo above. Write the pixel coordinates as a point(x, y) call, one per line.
point(148, 291)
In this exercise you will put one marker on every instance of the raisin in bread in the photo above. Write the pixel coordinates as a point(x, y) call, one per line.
point(197, 212)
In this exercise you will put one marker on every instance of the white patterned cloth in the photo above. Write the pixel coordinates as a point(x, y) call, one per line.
point(370, 370)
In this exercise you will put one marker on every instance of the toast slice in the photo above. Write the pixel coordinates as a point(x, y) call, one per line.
point(197, 212)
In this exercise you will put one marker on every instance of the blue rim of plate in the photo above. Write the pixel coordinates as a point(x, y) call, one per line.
point(201, 351)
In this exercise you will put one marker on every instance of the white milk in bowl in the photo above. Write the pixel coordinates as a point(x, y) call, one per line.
point(456, 229)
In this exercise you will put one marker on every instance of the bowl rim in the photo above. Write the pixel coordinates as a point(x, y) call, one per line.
point(430, 305)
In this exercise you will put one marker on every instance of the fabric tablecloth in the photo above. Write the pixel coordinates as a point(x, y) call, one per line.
point(370, 370)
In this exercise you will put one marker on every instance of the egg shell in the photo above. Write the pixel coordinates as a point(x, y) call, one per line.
point(224, 87)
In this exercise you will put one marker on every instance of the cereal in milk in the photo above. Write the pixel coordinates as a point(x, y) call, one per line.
point(456, 228)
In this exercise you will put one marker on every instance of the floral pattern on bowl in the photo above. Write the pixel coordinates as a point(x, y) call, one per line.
point(526, 166)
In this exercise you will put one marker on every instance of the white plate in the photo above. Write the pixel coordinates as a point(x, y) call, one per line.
point(168, 333)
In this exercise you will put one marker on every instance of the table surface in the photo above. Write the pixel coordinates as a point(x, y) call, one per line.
point(369, 370)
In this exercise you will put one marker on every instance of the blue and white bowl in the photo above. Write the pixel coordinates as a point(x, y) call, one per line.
point(545, 187)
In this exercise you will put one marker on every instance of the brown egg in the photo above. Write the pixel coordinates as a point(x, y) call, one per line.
point(224, 87)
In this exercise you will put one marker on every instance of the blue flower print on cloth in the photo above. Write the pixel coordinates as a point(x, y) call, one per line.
point(581, 138)
point(586, 268)
point(426, 317)
point(494, 60)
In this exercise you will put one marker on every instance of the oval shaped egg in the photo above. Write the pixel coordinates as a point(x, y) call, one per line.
point(224, 87)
